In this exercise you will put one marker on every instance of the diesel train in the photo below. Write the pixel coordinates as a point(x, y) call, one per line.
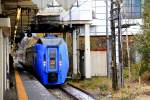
point(48, 59)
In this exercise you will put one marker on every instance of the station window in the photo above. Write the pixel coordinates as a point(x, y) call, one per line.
point(132, 9)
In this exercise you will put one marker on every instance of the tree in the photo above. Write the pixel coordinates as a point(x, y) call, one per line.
point(143, 40)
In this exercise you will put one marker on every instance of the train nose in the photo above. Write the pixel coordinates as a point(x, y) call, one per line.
point(52, 77)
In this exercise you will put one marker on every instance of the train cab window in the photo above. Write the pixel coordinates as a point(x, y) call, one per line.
point(52, 55)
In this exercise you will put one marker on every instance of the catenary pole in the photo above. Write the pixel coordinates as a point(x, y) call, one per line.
point(113, 36)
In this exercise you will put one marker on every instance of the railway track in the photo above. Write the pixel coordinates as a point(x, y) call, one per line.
point(65, 92)
point(60, 94)
point(70, 92)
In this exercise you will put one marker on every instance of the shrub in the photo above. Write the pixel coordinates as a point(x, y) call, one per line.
point(103, 89)
point(145, 76)
point(139, 69)
point(126, 72)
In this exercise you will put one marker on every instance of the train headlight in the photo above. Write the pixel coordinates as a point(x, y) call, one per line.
point(44, 63)
point(60, 63)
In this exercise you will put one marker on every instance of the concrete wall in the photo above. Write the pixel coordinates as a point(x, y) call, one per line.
point(4, 50)
point(98, 23)
point(98, 63)
point(81, 13)
point(4, 63)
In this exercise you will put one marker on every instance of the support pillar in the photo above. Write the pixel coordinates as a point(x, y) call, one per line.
point(75, 67)
point(1, 60)
point(7, 61)
point(87, 52)
point(4, 34)
point(4, 62)
point(1, 65)
point(109, 71)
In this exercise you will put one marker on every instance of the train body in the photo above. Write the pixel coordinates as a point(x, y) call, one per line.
point(48, 59)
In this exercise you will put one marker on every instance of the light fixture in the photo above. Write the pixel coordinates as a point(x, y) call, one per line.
point(17, 20)
point(15, 32)
point(18, 13)
point(16, 26)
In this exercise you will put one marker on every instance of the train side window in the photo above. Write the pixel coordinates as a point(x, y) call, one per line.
point(44, 57)
point(44, 60)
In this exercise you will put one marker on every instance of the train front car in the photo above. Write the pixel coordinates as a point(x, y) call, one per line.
point(51, 63)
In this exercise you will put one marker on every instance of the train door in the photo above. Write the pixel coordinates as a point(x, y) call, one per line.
point(53, 59)
point(53, 75)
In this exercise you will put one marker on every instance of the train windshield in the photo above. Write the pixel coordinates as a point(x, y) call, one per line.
point(52, 54)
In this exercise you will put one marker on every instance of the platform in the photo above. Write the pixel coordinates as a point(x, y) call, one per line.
point(29, 88)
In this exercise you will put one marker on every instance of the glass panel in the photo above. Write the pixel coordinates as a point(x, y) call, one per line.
point(132, 9)
point(52, 54)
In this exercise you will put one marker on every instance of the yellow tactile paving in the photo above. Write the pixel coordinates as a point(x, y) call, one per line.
point(20, 87)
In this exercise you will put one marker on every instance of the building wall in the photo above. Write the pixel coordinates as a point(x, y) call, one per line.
point(98, 63)
point(131, 14)
point(98, 23)
point(80, 12)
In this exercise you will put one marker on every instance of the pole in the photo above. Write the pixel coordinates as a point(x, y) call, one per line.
point(108, 46)
point(128, 54)
point(120, 65)
point(74, 53)
point(114, 67)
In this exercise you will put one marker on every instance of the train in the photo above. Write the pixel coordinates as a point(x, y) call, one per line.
point(48, 60)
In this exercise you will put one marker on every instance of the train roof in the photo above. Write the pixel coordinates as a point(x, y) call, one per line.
point(50, 41)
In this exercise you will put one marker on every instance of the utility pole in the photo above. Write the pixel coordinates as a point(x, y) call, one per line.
point(128, 53)
point(113, 35)
point(120, 64)
point(117, 64)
